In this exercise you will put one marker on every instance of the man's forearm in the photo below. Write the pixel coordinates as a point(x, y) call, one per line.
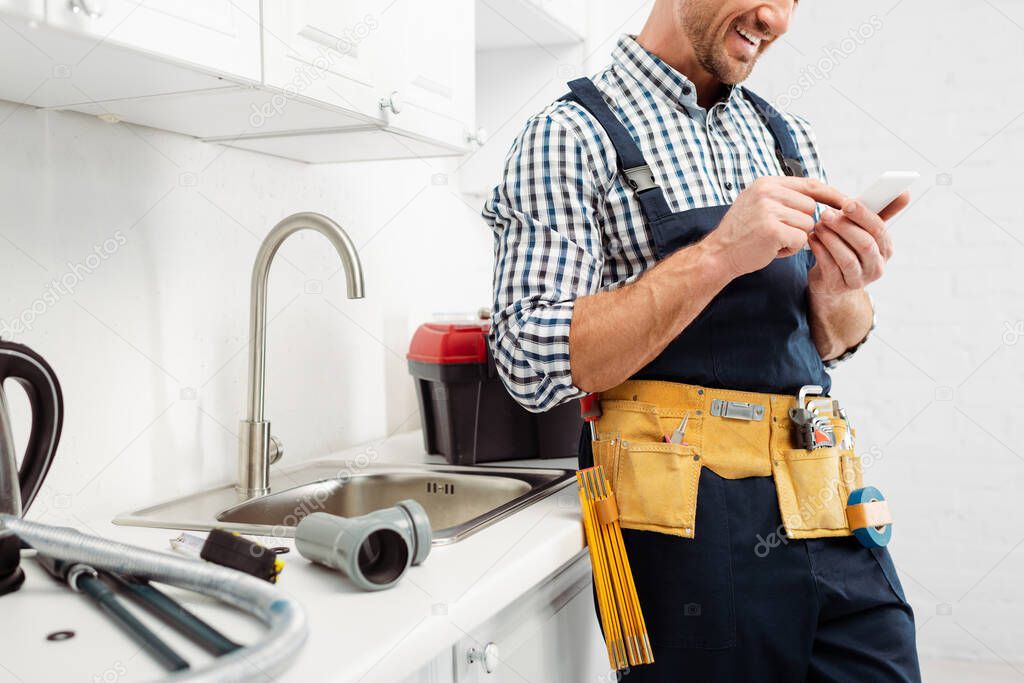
point(617, 332)
point(839, 322)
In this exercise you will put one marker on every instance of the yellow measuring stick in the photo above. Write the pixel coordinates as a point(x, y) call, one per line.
point(622, 620)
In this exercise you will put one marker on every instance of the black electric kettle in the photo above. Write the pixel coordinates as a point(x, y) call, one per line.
point(24, 366)
point(19, 485)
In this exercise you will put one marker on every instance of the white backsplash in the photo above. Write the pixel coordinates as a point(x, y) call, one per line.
point(126, 256)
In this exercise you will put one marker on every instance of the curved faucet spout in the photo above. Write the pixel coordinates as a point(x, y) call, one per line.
point(255, 439)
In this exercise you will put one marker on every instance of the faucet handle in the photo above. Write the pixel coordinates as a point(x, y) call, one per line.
point(276, 449)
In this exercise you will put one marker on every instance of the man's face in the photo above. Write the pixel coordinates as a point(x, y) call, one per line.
point(729, 35)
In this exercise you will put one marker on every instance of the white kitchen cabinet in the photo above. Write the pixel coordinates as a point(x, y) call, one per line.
point(20, 21)
point(441, 669)
point(311, 80)
point(502, 24)
point(329, 52)
point(551, 634)
point(398, 76)
point(29, 9)
point(217, 36)
point(513, 85)
point(434, 71)
point(120, 49)
point(364, 143)
point(570, 13)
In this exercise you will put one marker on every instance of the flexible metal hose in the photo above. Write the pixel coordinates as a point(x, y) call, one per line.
point(284, 617)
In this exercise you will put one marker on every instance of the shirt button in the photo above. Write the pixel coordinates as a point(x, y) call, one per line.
point(686, 90)
point(728, 185)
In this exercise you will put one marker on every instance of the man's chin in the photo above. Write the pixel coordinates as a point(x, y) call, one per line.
point(733, 71)
point(727, 69)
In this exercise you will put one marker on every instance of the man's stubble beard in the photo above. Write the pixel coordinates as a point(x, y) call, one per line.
point(697, 26)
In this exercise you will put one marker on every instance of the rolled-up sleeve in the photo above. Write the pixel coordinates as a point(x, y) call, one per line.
point(547, 252)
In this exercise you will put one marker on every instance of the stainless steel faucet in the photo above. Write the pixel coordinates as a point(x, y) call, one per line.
point(255, 445)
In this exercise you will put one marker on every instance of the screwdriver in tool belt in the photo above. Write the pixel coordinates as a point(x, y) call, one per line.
point(677, 435)
point(590, 410)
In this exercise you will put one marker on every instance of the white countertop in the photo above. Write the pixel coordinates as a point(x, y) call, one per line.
point(354, 636)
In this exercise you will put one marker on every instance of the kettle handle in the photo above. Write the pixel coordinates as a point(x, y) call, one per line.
point(36, 377)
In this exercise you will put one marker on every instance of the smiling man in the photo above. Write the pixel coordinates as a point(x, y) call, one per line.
point(668, 240)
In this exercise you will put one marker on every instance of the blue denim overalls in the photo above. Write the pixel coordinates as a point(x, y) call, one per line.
point(716, 608)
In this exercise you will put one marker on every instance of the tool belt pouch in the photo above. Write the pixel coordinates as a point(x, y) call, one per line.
point(655, 483)
point(813, 485)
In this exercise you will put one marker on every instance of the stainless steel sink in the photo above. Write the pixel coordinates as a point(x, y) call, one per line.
point(459, 500)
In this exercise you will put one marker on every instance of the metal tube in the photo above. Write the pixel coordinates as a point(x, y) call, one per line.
point(260, 275)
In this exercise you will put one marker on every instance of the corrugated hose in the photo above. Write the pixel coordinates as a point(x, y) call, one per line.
point(283, 616)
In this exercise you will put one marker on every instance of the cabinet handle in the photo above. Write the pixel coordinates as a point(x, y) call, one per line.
point(392, 102)
point(94, 9)
point(479, 137)
point(487, 657)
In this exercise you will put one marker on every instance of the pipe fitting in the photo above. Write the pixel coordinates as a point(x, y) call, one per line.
point(373, 550)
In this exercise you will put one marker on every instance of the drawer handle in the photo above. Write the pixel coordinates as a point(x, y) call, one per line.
point(392, 102)
point(94, 9)
point(477, 137)
point(487, 657)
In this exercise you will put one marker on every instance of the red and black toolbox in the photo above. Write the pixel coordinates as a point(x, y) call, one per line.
point(468, 415)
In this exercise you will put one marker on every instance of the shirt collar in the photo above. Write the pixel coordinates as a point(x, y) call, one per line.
point(656, 76)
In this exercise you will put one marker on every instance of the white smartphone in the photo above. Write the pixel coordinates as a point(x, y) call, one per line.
point(886, 188)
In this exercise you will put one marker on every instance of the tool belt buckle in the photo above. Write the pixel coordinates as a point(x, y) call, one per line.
point(812, 431)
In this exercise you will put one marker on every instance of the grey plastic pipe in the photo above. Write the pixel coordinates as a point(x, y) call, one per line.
point(374, 550)
point(284, 616)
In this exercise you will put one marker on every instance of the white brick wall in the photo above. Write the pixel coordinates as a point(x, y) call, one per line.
point(935, 88)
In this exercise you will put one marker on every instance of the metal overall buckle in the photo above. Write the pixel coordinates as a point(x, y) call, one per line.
point(812, 430)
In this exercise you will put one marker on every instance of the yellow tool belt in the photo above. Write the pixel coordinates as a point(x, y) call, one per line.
point(656, 483)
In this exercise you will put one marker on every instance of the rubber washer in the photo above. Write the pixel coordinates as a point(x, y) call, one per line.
point(58, 636)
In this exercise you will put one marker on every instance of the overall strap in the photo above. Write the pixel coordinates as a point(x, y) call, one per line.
point(785, 143)
point(634, 168)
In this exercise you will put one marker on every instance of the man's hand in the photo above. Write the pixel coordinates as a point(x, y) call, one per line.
point(851, 247)
point(770, 219)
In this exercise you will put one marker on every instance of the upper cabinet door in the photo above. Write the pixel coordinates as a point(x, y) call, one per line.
point(571, 13)
point(329, 52)
point(30, 9)
point(218, 36)
point(431, 68)
point(434, 67)
point(405, 64)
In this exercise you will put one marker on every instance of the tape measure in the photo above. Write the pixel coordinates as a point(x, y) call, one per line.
point(868, 515)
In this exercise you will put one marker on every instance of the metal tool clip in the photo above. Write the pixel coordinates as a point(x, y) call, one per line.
point(737, 410)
